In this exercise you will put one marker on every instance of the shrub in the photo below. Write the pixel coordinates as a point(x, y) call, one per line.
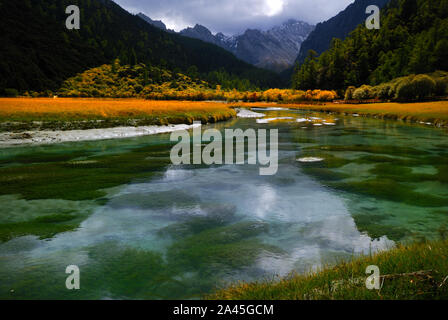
point(298, 96)
point(392, 91)
point(423, 86)
point(95, 93)
point(349, 93)
point(383, 91)
point(138, 88)
point(441, 86)
point(309, 95)
point(48, 93)
point(363, 93)
point(326, 95)
point(11, 92)
point(405, 90)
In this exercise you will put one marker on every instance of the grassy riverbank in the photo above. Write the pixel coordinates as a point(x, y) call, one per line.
point(21, 114)
point(416, 271)
point(434, 112)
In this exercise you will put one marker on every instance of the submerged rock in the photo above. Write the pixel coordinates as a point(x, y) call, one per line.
point(244, 113)
point(310, 159)
point(273, 119)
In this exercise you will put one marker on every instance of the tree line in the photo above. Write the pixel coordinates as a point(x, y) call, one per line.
point(38, 52)
point(413, 39)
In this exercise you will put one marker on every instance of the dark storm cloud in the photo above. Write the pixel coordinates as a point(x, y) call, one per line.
point(234, 16)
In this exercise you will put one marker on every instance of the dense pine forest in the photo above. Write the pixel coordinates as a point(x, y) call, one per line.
point(413, 39)
point(339, 27)
point(38, 52)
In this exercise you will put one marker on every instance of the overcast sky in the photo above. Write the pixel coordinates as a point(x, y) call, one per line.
point(234, 16)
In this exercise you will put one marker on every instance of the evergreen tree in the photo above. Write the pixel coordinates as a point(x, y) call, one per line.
point(413, 39)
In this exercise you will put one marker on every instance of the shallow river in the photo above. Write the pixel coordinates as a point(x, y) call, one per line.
point(139, 227)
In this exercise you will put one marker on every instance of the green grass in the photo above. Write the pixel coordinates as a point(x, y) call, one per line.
point(43, 227)
point(78, 180)
point(324, 174)
point(231, 246)
point(400, 173)
point(375, 228)
point(346, 280)
point(52, 176)
point(376, 149)
point(391, 190)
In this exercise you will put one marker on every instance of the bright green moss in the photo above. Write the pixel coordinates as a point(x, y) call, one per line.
point(45, 226)
point(371, 223)
point(368, 159)
point(126, 272)
point(43, 157)
point(392, 191)
point(42, 229)
point(305, 140)
point(80, 179)
point(52, 176)
point(231, 246)
point(324, 174)
point(154, 200)
point(56, 218)
point(376, 149)
point(442, 175)
point(399, 173)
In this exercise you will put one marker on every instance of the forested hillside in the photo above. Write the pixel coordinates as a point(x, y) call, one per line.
point(339, 27)
point(148, 82)
point(413, 39)
point(38, 52)
point(125, 81)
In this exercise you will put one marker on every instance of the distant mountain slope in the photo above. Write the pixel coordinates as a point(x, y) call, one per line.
point(202, 33)
point(38, 52)
point(337, 27)
point(156, 23)
point(413, 39)
point(275, 49)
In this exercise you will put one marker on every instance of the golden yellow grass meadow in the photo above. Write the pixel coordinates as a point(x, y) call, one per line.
point(66, 109)
point(77, 108)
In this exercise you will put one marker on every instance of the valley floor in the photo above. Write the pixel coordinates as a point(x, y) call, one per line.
point(413, 271)
point(45, 120)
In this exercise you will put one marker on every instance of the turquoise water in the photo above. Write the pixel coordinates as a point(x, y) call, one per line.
point(139, 227)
